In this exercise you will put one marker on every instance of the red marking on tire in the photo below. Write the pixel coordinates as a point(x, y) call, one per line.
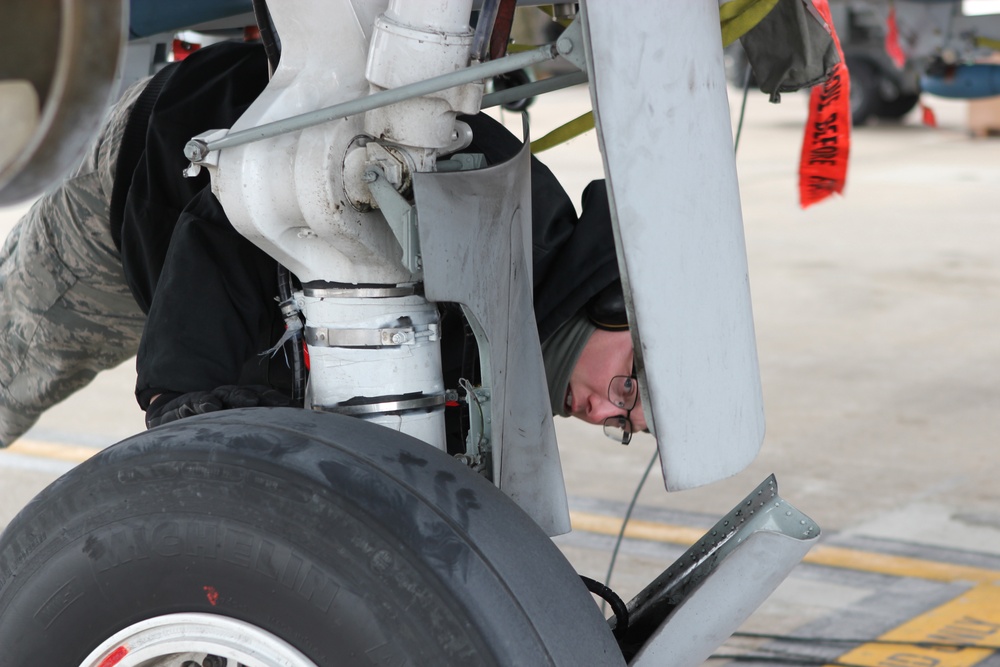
point(115, 657)
point(211, 594)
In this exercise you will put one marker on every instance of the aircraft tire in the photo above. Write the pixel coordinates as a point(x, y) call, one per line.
point(317, 538)
point(895, 109)
point(865, 96)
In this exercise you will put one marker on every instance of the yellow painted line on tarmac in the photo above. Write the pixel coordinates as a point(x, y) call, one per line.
point(636, 529)
point(898, 566)
point(50, 450)
point(961, 625)
point(829, 556)
point(969, 620)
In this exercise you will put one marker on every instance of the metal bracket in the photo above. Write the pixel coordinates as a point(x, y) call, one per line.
point(198, 153)
point(399, 213)
point(478, 441)
point(570, 45)
point(462, 162)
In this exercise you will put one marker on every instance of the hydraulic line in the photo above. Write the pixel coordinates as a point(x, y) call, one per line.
point(484, 28)
point(268, 36)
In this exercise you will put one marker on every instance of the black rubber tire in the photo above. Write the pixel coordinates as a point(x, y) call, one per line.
point(897, 108)
point(865, 96)
point(351, 542)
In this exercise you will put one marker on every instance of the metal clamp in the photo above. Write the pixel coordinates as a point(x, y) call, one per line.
point(347, 292)
point(324, 337)
point(360, 409)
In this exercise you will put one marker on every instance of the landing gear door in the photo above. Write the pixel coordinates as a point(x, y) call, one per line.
point(485, 268)
point(658, 89)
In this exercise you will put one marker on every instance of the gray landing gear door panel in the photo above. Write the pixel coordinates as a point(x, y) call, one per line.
point(475, 238)
point(707, 594)
point(666, 138)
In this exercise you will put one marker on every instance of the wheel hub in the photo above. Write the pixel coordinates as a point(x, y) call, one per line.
point(195, 640)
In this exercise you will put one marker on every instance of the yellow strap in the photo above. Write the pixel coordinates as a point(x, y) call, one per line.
point(988, 43)
point(738, 17)
point(574, 128)
point(551, 11)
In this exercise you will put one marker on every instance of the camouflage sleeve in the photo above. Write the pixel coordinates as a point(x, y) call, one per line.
point(66, 312)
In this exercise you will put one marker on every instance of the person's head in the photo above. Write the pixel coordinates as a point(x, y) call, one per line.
point(603, 384)
point(591, 374)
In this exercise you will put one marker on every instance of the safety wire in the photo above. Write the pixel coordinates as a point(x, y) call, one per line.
point(743, 109)
point(625, 520)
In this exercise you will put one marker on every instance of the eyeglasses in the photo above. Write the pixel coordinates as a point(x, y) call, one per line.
point(624, 393)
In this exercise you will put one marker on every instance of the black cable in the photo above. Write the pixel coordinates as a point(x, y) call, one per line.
point(268, 35)
point(609, 596)
point(628, 515)
point(743, 109)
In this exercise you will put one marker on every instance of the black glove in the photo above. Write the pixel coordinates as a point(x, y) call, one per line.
point(168, 407)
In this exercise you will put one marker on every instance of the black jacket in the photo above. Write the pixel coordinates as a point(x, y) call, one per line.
point(210, 294)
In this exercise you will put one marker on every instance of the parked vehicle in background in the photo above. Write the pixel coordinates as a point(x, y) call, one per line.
point(942, 47)
point(879, 87)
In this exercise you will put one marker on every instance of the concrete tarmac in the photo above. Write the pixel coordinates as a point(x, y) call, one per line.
point(876, 316)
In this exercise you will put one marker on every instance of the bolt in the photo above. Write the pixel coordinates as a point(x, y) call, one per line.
point(565, 45)
point(370, 177)
point(398, 338)
point(195, 151)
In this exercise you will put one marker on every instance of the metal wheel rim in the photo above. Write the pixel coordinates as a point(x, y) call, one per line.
point(176, 640)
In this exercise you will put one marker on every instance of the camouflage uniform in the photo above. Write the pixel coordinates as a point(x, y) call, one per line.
point(66, 310)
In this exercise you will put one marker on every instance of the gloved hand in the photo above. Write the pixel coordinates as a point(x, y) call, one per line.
point(168, 407)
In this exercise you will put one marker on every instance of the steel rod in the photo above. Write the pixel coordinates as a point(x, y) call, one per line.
point(384, 98)
point(533, 88)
